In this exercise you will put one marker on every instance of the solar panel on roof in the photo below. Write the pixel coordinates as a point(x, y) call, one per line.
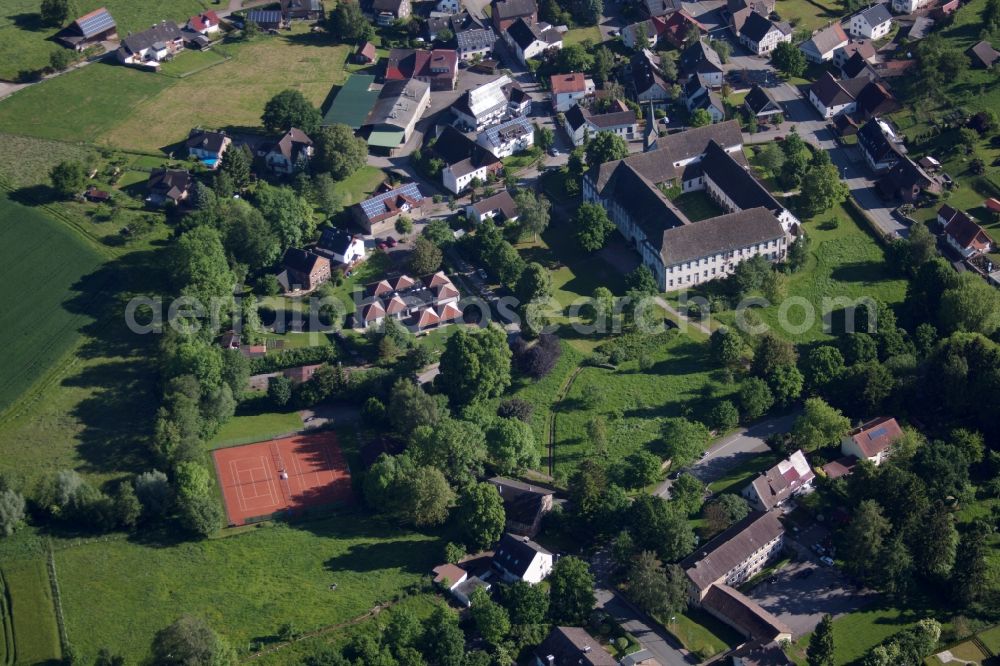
point(875, 434)
point(376, 205)
point(95, 23)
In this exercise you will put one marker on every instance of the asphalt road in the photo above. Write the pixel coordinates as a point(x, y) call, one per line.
point(650, 636)
point(732, 450)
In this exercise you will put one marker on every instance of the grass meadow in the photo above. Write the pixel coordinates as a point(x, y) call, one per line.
point(255, 427)
point(32, 613)
point(246, 585)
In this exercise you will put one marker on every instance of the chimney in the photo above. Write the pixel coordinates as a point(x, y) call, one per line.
point(551, 659)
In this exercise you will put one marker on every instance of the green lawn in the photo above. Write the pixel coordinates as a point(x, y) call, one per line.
point(41, 265)
point(738, 477)
point(577, 35)
point(702, 634)
point(845, 262)
point(255, 427)
point(991, 639)
point(634, 402)
point(36, 635)
point(698, 206)
point(856, 633)
point(25, 43)
point(246, 586)
point(360, 184)
point(810, 14)
point(188, 62)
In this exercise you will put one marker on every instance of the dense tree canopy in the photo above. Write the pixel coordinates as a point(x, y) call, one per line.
point(338, 151)
point(475, 366)
point(289, 109)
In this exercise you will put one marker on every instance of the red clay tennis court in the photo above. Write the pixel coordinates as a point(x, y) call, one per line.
point(282, 475)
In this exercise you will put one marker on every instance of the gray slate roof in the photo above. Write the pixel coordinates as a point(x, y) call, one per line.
point(877, 14)
point(515, 553)
point(745, 190)
point(756, 27)
point(507, 9)
point(726, 551)
point(721, 234)
point(166, 31)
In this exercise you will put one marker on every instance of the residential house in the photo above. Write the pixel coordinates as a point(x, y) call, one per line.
point(365, 54)
point(388, 11)
point(983, 55)
point(698, 95)
point(448, 6)
point(855, 46)
point(417, 304)
point(94, 195)
point(524, 504)
point(393, 118)
point(378, 213)
point(568, 89)
point(206, 23)
point(880, 145)
point(571, 646)
point(499, 207)
point(88, 30)
point(963, 234)
point(438, 67)
point(641, 657)
point(299, 10)
point(530, 40)
point(458, 582)
point(512, 136)
point(207, 146)
point(824, 43)
point(736, 555)
point(678, 26)
point(762, 35)
point(475, 43)
point(266, 19)
point(464, 160)
point(520, 558)
point(504, 13)
point(906, 181)
point(757, 654)
point(907, 6)
point(658, 8)
point(651, 28)
point(151, 46)
point(168, 186)
point(739, 10)
point(485, 105)
point(702, 61)
point(872, 441)
point(463, 591)
point(857, 67)
point(304, 269)
point(873, 23)
point(518, 101)
point(581, 123)
point(645, 80)
point(340, 246)
point(832, 97)
point(291, 153)
point(945, 9)
point(790, 477)
point(761, 104)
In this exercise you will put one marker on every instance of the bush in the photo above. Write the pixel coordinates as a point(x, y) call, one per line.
point(631, 346)
point(515, 408)
point(537, 359)
point(291, 358)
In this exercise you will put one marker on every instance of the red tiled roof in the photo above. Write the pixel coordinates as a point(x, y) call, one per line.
point(450, 311)
point(446, 291)
point(839, 467)
point(438, 279)
point(450, 572)
point(428, 318)
point(374, 311)
point(967, 234)
point(403, 282)
point(568, 83)
point(204, 20)
point(877, 435)
point(382, 288)
point(395, 305)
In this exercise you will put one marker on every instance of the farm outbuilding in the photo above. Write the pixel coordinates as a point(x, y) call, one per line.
point(353, 102)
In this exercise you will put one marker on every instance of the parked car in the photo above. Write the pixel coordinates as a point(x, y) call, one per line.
point(482, 273)
point(390, 241)
point(826, 561)
point(382, 245)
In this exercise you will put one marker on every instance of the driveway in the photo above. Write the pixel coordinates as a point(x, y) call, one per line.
point(650, 636)
point(802, 602)
point(733, 450)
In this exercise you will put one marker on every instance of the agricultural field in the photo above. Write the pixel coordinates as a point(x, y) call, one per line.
point(32, 613)
point(246, 586)
point(25, 44)
point(40, 257)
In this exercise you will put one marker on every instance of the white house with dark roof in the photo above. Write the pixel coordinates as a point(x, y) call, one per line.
point(291, 153)
point(880, 145)
point(962, 233)
point(872, 441)
point(702, 61)
point(520, 558)
point(499, 207)
point(761, 103)
point(524, 504)
point(475, 42)
point(485, 105)
point(340, 246)
point(464, 160)
point(152, 46)
point(762, 35)
point(872, 23)
point(571, 646)
point(580, 123)
point(645, 80)
point(529, 40)
point(168, 186)
point(207, 146)
point(699, 95)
